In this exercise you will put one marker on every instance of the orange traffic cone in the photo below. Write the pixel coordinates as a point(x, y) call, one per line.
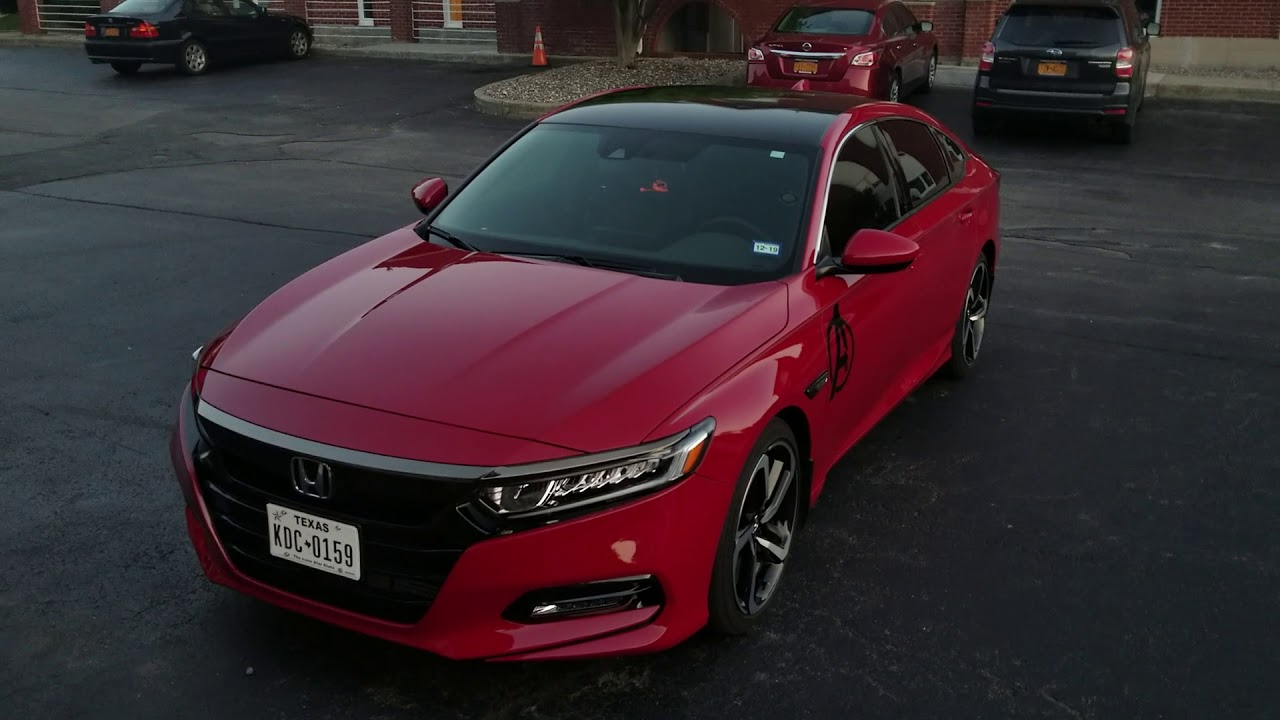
point(539, 54)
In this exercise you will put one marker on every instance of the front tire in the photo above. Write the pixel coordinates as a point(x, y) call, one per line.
point(894, 93)
point(971, 327)
point(758, 532)
point(193, 58)
point(126, 68)
point(933, 75)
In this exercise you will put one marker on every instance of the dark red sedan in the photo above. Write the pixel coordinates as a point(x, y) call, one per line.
point(583, 407)
point(872, 48)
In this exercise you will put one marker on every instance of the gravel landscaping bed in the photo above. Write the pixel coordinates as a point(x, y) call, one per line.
point(562, 84)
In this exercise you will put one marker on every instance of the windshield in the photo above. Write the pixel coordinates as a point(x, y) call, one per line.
point(708, 209)
point(141, 7)
point(825, 21)
point(1060, 27)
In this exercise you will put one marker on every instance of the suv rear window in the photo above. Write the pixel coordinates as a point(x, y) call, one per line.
point(825, 21)
point(1066, 27)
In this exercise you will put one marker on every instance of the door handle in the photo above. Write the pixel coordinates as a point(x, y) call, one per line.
point(965, 215)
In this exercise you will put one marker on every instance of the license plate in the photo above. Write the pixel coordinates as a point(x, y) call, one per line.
point(111, 32)
point(314, 541)
point(805, 66)
point(1053, 68)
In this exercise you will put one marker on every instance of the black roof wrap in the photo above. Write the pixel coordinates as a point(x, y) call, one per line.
point(743, 112)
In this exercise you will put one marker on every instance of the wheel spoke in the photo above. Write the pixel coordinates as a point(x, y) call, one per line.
point(774, 553)
point(777, 496)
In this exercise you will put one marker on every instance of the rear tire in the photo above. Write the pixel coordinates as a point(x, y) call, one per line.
point(971, 326)
point(1123, 131)
point(193, 58)
point(984, 123)
point(747, 574)
point(126, 68)
point(299, 44)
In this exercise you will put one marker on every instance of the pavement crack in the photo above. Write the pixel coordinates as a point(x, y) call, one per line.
point(244, 221)
point(1044, 693)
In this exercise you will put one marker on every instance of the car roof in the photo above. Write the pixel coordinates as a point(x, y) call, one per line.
point(766, 114)
point(846, 4)
point(1067, 3)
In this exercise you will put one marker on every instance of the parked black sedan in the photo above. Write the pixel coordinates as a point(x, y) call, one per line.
point(191, 34)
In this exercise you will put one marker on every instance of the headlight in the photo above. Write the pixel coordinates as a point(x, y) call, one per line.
point(544, 488)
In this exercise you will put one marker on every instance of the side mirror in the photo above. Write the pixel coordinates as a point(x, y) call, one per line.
point(1153, 28)
point(876, 251)
point(429, 193)
point(924, 26)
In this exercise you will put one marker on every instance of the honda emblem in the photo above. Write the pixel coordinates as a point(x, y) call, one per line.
point(312, 478)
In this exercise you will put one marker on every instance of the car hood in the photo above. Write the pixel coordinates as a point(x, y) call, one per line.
point(579, 357)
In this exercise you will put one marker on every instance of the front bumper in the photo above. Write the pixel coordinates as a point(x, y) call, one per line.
point(671, 536)
point(863, 82)
point(989, 99)
point(128, 50)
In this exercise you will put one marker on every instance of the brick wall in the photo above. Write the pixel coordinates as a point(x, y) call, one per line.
point(1220, 18)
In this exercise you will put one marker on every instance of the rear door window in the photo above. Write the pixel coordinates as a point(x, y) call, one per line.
point(825, 21)
point(889, 24)
point(924, 169)
point(141, 7)
point(1064, 27)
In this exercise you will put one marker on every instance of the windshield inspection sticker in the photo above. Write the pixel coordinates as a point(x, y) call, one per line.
point(764, 248)
point(777, 154)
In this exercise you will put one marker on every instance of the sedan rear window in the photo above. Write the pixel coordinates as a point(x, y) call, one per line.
point(825, 21)
point(1060, 27)
point(141, 7)
point(706, 208)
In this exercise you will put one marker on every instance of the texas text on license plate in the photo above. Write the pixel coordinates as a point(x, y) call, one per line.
point(313, 541)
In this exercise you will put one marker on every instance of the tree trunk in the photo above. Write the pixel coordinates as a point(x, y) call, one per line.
point(628, 27)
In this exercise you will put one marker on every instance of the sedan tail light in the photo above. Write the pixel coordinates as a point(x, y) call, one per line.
point(755, 55)
point(90, 31)
point(988, 59)
point(866, 59)
point(145, 31)
point(1124, 63)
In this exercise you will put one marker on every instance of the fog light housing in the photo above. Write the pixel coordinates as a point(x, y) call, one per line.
point(587, 599)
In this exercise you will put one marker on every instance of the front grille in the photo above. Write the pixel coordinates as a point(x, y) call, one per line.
point(412, 529)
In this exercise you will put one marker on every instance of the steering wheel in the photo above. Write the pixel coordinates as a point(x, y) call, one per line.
point(753, 231)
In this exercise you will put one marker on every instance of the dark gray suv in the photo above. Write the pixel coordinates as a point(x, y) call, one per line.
point(1073, 57)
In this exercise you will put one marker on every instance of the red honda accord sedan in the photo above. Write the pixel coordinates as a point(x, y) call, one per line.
point(583, 406)
point(872, 48)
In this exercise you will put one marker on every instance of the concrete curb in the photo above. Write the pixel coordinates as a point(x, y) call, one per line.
point(42, 40)
point(410, 51)
point(1185, 87)
point(526, 110)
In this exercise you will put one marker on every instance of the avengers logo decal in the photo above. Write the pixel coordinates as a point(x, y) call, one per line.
point(839, 350)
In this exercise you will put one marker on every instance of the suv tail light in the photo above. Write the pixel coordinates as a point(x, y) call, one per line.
point(755, 55)
point(146, 31)
point(988, 56)
point(866, 59)
point(1124, 63)
point(90, 31)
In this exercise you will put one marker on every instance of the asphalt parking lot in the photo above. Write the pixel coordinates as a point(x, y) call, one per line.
point(1084, 529)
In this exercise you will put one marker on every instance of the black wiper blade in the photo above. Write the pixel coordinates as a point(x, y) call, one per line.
point(600, 264)
point(453, 239)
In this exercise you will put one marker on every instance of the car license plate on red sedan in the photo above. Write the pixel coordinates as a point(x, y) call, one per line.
point(314, 541)
point(1053, 68)
point(806, 67)
point(111, 32)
